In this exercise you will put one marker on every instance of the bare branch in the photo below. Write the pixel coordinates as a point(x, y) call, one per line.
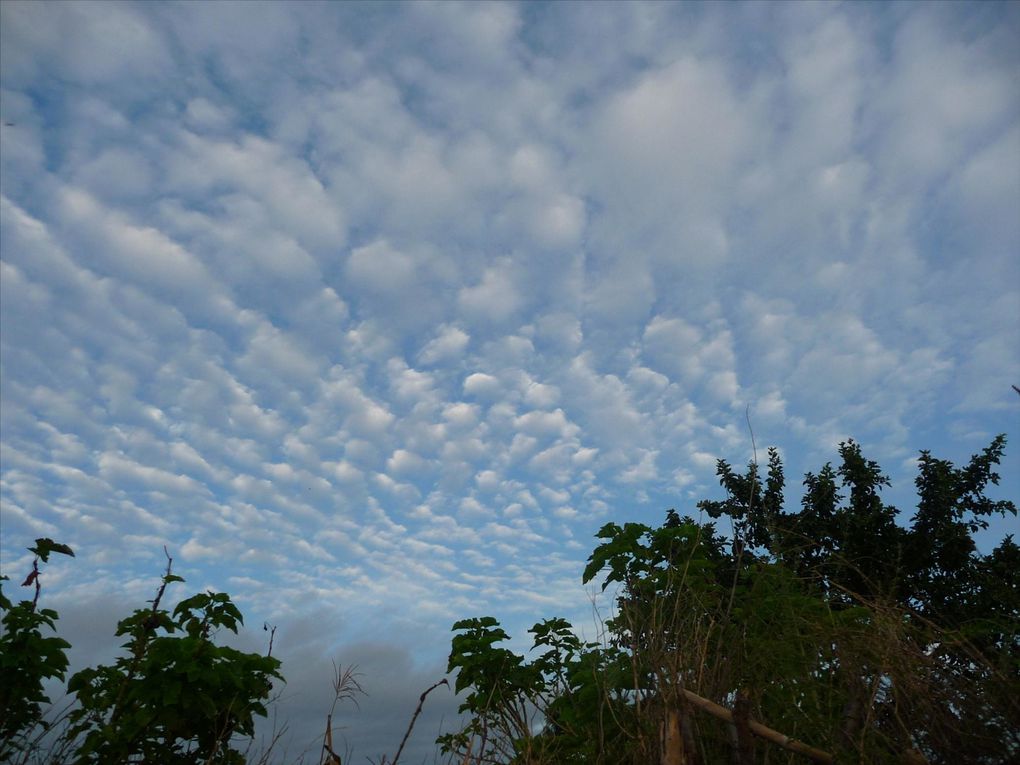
point(417, 711)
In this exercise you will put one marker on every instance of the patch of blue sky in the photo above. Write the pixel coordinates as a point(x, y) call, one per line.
point(374, 313)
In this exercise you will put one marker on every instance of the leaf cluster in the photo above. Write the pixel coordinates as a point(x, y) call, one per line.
point(173, 696)
point(28, 656)
point(834, 623)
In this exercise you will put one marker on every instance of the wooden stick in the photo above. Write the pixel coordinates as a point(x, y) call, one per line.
point(760, 730)
point(332, 758)
point(414, 717)
point(744, 754)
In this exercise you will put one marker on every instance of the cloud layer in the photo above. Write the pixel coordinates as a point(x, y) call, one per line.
point(374, 314)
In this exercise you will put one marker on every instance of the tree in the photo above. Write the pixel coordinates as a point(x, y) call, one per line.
point(28, 657)
point(175, 696)
point(834, 625)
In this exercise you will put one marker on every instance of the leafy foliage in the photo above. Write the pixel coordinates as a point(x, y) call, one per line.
point(28, 657)
point(834, 624)
point(175, 696)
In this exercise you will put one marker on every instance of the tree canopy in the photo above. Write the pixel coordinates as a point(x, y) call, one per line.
point(831, 632)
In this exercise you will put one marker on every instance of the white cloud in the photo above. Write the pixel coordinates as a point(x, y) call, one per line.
point(403, 462)
point(449, 343)
point(120, 469)
point(494, 298)
point(644, 470)
point(985, 195)
point(611, 417)
point(371, 420)
point(481, 384)
point(669, 144)
point(380, 269)
point(263, 171)
point(826, 73)
point(538, 423)
point(562, 331)
point(203, 115)
point(942, 94)
point(118, 173)
point(471, 508)
point(382, 315)
point(540, 394)
point(461, 415)
point(676, 345)
point(275, 352)
point(141, 253)
point(87, 47)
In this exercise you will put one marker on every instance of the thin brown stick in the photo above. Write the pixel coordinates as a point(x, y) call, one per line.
point(272, 634)
point(417, 711)
point(762, 731)
point(332, 758)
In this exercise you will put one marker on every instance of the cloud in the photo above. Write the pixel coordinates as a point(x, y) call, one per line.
point(943, 92)
point(116, 46)
point(481, 384)
point(380, 269)
point(494, 299)
point(545, 423)
point(374, 318)
point(205, 116)
point(448, 344)
point(118, 172)
point(261, 170)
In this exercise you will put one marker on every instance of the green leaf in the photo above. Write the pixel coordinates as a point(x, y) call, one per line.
point(44, 546)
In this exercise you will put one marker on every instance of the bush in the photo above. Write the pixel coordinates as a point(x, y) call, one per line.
point(872, 642)
point(174, 697)
point(28, 658)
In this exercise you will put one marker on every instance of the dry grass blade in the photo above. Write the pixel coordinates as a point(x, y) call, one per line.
point(346, 687)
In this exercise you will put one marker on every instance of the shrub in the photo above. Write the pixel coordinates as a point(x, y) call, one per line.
point(175, 696)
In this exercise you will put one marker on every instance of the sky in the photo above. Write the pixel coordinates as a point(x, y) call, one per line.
point(373, 314)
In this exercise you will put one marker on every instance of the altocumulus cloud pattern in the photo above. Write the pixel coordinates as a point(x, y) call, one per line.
point(373, 314)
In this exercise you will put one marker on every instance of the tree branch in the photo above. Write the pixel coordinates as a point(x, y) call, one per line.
point(760, 730)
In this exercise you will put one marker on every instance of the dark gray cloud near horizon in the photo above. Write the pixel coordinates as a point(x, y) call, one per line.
point(373, 314)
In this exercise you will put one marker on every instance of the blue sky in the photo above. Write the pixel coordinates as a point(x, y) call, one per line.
point(373, 314)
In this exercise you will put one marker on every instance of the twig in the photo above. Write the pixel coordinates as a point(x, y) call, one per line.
point(272, 634)
point(141, 641)
point(739, 545)
point(417, 711)
point(754, 447)
point(33, 578)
